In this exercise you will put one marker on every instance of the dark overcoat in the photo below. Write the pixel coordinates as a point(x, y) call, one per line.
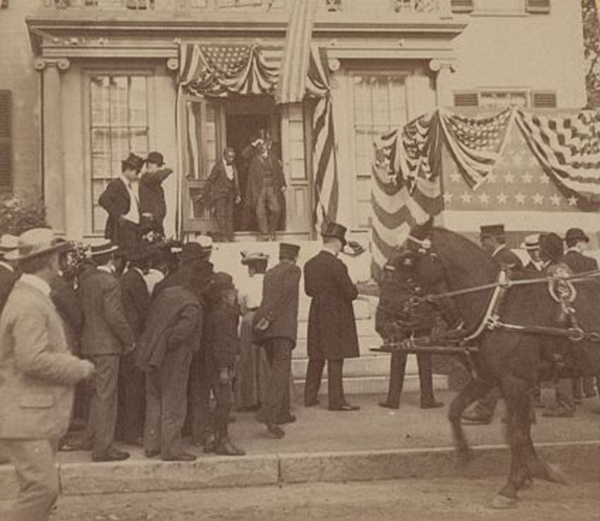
point(579, 263)
point(136, 300)
point(506, 258)
point(331, 323)
point(281, 287)
point(218, 185)
point(256, 170)
point(64, 298)
point(116, 201)
point(152, 195)
point(221, 337)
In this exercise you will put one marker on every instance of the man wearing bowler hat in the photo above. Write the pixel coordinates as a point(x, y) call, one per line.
point(37, 375)
point(153, 206)
point(577, 242)
point(121, 201)
point(332, 335)
point(276, 328)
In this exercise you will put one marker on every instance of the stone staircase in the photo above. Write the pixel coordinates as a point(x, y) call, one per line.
point(365, 375)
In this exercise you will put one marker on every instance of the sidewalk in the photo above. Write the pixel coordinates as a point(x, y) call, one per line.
point(373, 443)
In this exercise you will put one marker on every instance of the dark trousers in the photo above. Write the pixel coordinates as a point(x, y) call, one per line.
point(276, 408)
point(166, 403)
point(132, 401)
point(223, 393)
point(224, 215)
point(103, 403)
point(335, 384)
point(199, 389)
point(584, 387)
point(397, 372)
point(268, 210)
point(128, 235)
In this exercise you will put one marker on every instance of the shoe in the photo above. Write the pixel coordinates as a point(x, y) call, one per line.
point(290, 419)
point(432, 405)
point(389, 405)
point(75, 445)
point(226, 448)
point(558, 412)
point(473, 418)
point(591, 394)
point(182, 456)
point(151, 453)
point(311, 403)
point(209, 445)
point(232, 418)
point(346, 408)
point(111, 454)
point(274, 431)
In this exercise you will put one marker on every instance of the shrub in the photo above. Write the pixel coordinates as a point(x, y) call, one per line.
point(17, 216)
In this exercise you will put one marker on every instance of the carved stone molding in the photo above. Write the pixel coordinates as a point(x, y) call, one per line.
point(62, 64)
point(173, 64)
point(436, 65)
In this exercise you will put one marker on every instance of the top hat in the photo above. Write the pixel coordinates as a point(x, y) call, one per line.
point(8, 243)
point(574, 235)
point(103, 247)
point(254, 258)
point(288, 250)
point(334, 230)
point(531, 242)
point(133, 161)
point(420, 232)
point(35, 242)
point(156, 158)
point(491, 231)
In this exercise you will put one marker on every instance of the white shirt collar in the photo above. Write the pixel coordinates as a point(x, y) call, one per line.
point(573, 248)
point(37, 282)
point(106, 269)
point(7, 266)
point(498, 249)
point(327, 250)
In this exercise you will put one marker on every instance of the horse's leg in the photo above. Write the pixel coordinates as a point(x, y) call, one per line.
point(474, 389)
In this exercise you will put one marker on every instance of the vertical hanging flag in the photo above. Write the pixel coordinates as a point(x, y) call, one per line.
point(291, 86)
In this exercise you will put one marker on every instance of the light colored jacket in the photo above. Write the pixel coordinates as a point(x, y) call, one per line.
point(37, 372)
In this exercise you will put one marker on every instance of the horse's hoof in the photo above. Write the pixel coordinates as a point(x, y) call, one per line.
point(556, 475)
point(500, 502)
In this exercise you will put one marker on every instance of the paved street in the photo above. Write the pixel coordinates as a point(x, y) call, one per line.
point(413, 500)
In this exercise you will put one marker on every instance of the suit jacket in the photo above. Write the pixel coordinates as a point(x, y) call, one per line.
point(64, 298)
point(578, 262)
point(331, 323)
point(279, 305)
point(105, 328)
point(255, 177)
point(219, 185)
point(136, 300)
point(115, 200)
point(222, 341)
point(174, 321)
point(37, 372)
point(506, 258)
point(152, 194)
point(7, 281)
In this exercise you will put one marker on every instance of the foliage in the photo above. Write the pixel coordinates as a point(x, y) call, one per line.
point(17, 216)
point(591, 38)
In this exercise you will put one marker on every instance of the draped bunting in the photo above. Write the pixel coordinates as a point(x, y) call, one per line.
point(550, 164)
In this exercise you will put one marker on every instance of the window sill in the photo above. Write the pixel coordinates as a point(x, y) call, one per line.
point(500, 14)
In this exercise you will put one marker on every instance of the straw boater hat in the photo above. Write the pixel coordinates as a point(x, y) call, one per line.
point(253, 258)
point(8, 243)
point(102, 247)
point(34, 242)
point(531, 242)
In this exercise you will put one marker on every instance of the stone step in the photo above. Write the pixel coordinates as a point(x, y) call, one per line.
point(355, 367)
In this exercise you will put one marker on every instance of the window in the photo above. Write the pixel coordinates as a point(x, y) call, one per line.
point(379, 106)
point(502, 99)
point(118, 126)
point(5, 141)
point(461, 6)
point(509, 98)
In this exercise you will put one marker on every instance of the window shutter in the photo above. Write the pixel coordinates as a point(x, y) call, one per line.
point(461, 6)
point(3, 4)
point(543, 99)
point(5, 141)
point(537, 6)
point(466, 99)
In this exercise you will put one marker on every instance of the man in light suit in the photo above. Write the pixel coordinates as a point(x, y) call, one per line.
point(37, 375)
point(276, 327)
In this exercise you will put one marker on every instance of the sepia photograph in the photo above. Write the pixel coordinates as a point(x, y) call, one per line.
point(290, 260)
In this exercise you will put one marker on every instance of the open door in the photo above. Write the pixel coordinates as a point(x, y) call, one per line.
point(204, 131)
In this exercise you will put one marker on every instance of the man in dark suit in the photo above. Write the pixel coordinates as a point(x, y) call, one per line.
point(276, 327)
point(121, 201)
point(577, 241)
point(136, 303)
point(332, 335)
point(493, 240)
point(106, 337)
point(223, 191)
point(153, 206)
point(266, 183)
point(8, 274)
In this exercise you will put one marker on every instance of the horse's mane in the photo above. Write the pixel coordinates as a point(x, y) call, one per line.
point(467, 265)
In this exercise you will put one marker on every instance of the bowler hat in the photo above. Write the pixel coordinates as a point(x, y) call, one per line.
point(491, 231)
point(334, 230)
point(288, 250)
point(192, 251)
point(156, 158)
point(222, 282)
point(35, 242)
point(133, 161)
point(254, 258)
point(574, 235)
point(8, 243)
point(103, 247)
point(142, 252)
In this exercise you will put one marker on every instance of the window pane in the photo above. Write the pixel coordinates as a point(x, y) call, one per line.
point(119, 141)
point(118, 101)
point(139, 141)
point(101, 153)
point(100, 101)
point(138, 113)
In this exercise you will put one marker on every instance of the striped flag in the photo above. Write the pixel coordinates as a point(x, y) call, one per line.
point(291, 86)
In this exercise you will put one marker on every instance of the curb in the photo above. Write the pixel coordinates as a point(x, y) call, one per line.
point(580, 459)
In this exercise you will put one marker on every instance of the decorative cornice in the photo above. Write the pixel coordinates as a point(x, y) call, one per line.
point(62, 64)
point(173, 64)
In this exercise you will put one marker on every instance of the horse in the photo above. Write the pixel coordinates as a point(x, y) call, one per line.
point(512, 360)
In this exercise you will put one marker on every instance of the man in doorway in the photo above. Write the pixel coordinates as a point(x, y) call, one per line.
point(121, 201)
point(223, 191)
point(152, 195)
point(332, 335)
point(266, 183)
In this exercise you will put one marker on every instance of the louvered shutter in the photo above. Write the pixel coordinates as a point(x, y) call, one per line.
point(543, 99)
point(466, 99)
point(6, 178)
point(461, 6)
point(537, 6)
